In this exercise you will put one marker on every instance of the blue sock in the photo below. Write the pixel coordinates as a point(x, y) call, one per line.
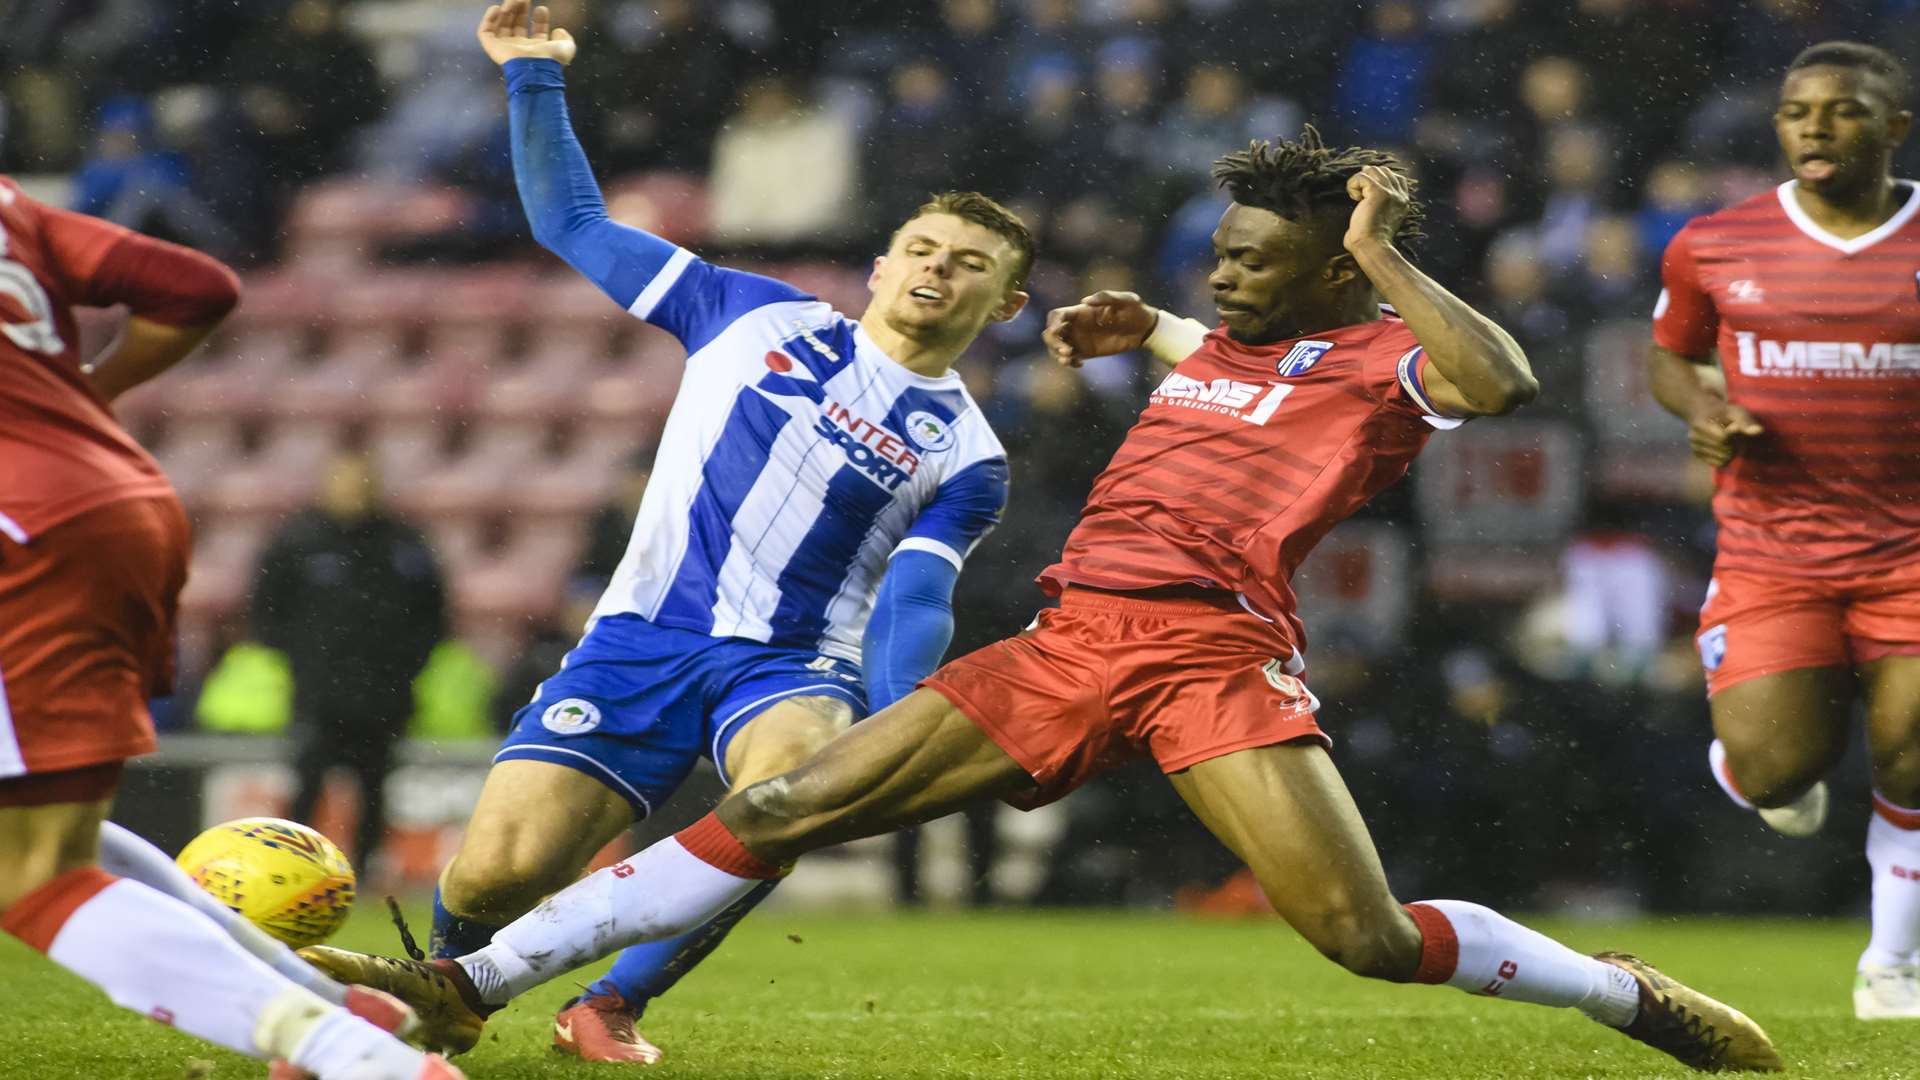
point(454, 936)
point(644, 972)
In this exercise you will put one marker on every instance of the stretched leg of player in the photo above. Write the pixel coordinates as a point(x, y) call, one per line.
point(1776, 736)
point(599, 1025)
point(156, 955)
point(1886, 985)
point(915, 761)
point(1285, 811)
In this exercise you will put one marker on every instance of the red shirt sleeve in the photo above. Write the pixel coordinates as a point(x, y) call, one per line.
point(105, 264)
point(1684, 318)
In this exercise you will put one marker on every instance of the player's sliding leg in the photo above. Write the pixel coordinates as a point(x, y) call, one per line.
point(599, 1024)
point(916, 761)
point(1886, 983)
point(1776, 737)
point(158, 956)
point(1285, 811)
point(124, 853)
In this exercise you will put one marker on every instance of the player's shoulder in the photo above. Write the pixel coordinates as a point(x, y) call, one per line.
point(1739, 221)
point(944, 422)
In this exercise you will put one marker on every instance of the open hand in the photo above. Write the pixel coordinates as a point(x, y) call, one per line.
point(1099, 325)
point(1716, 433)
point(505, 34)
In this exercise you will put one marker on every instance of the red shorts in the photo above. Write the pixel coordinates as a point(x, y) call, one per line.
point(1762, 624)
point(85, 785)
point(1177, 675)
point(86, 634)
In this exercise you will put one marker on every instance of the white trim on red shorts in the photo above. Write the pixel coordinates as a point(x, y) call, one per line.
point(11, 763)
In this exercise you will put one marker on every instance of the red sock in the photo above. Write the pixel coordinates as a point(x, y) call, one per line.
point(37, 917)
point(710, 841)
point(1439, 945)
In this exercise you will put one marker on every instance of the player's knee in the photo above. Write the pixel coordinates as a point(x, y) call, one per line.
point(1769, 773)
point(500, 880)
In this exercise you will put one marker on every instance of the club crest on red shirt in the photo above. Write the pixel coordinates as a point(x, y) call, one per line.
point(1302, 356)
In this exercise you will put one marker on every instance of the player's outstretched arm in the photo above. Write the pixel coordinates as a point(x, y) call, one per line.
point(1115, 322)
point(562, 200)
point(1475, 367)
point(176, 295)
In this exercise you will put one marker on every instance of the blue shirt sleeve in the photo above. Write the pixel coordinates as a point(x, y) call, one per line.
point(965, 509)
point(655, 280)
point(912, 625)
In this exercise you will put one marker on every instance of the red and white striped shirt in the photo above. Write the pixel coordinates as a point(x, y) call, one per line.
point(1245, 457)
point(1820, 340)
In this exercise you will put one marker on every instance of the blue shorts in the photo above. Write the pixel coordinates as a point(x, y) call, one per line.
point(636, 705)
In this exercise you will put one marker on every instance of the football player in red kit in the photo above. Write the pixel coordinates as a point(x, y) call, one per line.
point(1810, 293)
point(1176, 636)
point(93, 552)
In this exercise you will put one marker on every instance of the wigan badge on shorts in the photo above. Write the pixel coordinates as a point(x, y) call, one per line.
point(572, 716)
point(1713, 647)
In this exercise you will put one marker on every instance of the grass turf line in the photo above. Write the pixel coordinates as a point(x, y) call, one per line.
point(1060, 994)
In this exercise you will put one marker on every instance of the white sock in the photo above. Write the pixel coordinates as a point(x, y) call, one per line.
point(1494, 956)
point(124, 853)
point(1893, 851)
point(1723, 775)
point(156, 956)
point(331, 1042)
point(660, 893)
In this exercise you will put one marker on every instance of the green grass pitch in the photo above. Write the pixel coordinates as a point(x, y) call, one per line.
point(1061, 994)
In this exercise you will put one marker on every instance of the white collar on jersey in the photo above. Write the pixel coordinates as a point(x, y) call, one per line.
point(1859, 243)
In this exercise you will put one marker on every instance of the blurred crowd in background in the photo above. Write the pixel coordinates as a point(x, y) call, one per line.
point(1503, 643)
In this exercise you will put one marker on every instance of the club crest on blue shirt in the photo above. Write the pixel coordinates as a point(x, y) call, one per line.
point(1302, 356)
point(928, 432)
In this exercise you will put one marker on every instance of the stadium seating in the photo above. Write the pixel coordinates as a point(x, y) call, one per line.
point(498, 404)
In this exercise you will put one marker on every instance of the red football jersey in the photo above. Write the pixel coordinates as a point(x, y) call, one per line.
point(1820, 340)
point(61, 451)
point(1245, 457)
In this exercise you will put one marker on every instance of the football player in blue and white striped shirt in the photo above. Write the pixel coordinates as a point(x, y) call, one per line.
point(819, 484)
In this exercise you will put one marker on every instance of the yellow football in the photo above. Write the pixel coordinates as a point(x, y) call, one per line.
point(282, 876)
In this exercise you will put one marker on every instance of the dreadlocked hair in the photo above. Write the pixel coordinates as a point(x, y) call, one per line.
point(1299, 178)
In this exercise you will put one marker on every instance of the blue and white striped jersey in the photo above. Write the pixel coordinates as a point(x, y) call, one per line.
point(797, 460)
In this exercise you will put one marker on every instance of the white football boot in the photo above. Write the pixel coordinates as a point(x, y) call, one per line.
point(1887, 993)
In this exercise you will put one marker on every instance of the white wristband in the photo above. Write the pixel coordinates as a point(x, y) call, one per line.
point(1174, 338)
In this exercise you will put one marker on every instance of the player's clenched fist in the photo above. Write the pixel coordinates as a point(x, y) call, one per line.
point(1717, 432)
point(506, 34)
point(1383, 199)
point(1099, 325)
